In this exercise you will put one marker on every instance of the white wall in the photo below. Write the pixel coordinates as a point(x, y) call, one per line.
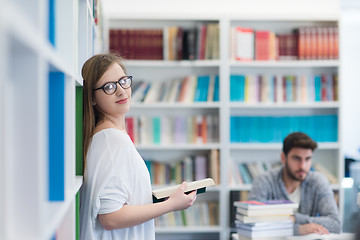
point(168, 8)
point(350, 67)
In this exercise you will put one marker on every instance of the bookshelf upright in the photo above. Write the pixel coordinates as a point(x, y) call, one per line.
point(43, 44)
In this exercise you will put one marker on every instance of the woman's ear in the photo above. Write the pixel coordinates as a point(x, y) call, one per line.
point(93, 103)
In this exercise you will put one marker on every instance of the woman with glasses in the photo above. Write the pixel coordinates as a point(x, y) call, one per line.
point(116, 198)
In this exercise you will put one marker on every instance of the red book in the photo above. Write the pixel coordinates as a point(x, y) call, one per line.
point(313, 36)
point(336, 43)
point(179, 44)
point(331, 42)
point(301, 43)
point(204, 129)
point(129, 124)
point(323, 90)
point(202, 42)
point(262, 45)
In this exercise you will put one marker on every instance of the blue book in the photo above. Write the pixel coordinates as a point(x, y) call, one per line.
point(245, 174)
point(233, 129)
point(271, 89)
point(289, 89)
point(197, 94)
point(204, 88)
point(216, 89)
point(237, 88)
point(56, 136)
point(241, 82)
point(52, 24)
point(157, 130)
point(233, 88)
point(317, 90)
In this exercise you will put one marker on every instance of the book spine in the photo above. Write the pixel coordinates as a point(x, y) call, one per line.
point(56, 157)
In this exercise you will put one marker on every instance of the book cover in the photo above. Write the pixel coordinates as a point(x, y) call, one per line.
point(245, 44)
point(260, 226)
point(56, 135)
point(269, 218)
point(265, 212)
point(198, 185)
point(266, 204)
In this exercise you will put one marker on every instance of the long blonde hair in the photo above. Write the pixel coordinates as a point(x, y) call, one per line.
point(92, 71)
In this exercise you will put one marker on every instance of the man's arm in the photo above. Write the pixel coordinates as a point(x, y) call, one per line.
point(325, 207)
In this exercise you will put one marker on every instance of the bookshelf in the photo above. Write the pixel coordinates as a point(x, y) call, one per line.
point(328, 154)
point(43, 45)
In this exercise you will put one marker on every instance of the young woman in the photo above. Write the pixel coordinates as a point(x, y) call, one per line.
point(115, 199)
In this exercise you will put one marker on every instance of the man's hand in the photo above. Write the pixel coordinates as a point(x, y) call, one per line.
point(312, 228)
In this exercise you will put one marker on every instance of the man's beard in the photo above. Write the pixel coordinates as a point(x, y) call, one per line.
point(292, 175)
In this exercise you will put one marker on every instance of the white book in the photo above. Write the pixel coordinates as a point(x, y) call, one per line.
point(199, 185)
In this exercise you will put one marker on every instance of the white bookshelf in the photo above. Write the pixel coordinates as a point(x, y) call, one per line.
point(328, 153)
point(26, 59)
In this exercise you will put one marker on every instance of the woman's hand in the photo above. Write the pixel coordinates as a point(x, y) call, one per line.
point(179, 200)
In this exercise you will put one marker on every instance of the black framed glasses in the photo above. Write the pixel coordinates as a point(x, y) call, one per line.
point(110, 87)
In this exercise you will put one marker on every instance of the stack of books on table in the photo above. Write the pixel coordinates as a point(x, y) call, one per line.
point(264, 220)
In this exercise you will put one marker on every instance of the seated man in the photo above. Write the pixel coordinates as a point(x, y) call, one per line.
point(318, 212)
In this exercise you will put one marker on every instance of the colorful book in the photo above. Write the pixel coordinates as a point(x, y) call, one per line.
point(270, 204)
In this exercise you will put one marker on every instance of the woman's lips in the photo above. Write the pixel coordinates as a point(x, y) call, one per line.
point(122, 101)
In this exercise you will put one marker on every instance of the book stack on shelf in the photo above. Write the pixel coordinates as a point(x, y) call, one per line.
point(304, 43)
point(168, 43)
point(264, 220)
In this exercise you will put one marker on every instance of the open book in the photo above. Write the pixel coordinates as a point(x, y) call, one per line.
point(161, 194)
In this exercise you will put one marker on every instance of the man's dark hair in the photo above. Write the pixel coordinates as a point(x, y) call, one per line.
point(300, 140)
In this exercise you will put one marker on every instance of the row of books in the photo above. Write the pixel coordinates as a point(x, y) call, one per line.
point(192, 88)
point(286, 88)
point(246, 172)
point(202, 213)
point(168, 43)
point(303, 43)
point(189, 168)
point(137, 43)
point(267, 219)
point(264, 129)
point(318, 42)
point(165, 130)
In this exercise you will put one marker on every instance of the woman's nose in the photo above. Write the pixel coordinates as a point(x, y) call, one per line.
point(119, 89)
